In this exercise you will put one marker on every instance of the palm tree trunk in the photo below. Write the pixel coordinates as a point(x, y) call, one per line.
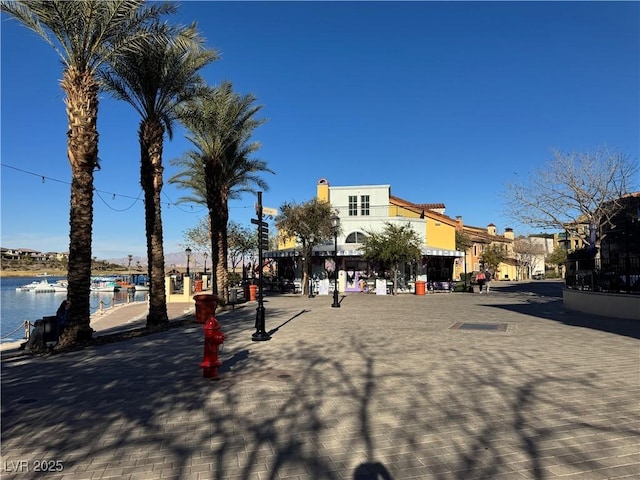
point(215, 205)
point(217, 243)
point(82, 149)
point(223, 279)
point(220, 270)
point(215, 252)
point(151, 138)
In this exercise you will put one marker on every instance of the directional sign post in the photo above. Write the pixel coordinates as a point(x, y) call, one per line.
point(263, 243)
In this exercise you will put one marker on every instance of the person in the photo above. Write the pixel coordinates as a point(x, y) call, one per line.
point(36, 342)
point(487, 280)
point(480, 277)
point(61, 315)
point(363, 285)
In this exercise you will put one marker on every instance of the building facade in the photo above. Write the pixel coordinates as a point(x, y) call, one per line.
point(483, 238)
point(368, 208)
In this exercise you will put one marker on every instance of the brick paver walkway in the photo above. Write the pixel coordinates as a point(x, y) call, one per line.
point(381, 388)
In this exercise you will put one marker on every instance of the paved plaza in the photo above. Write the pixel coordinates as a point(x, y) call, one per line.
point(442, 386)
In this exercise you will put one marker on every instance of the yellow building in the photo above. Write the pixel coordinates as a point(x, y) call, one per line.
point(368, 208)
point(483, 238)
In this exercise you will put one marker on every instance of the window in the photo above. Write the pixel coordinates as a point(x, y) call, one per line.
point(355, 237)
point(475, 250)
point(353, 205)
point(364, 205)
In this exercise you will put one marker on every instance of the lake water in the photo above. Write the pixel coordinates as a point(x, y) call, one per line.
point(16, 307)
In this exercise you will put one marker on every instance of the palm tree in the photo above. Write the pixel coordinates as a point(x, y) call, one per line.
point(220, 168)
point(85, 35)
point(155, 83)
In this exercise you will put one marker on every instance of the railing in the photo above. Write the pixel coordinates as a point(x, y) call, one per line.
point(620, 275)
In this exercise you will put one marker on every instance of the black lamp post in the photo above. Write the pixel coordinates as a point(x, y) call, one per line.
point(129, 268)
point(465, 270)
point(311, 239)
point(205, 262)
point(188, 252)
point(335, 223)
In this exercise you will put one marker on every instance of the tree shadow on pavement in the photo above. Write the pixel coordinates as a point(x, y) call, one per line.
point(332, 396)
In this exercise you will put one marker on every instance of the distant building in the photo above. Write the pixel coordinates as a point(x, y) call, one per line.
point(483, 238)
point(32, 255)
point(621, 237)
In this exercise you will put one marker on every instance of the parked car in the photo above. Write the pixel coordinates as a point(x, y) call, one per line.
point(538, 276)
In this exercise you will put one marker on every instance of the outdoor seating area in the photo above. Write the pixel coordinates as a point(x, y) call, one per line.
point(433, 287)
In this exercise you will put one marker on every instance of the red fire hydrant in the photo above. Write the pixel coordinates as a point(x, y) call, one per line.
point(213, 337)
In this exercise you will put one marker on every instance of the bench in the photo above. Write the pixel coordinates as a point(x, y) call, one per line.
point(434, 287)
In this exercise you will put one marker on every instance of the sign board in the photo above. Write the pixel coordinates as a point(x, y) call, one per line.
point(270, 211)
point(263, 235)
point(258, 222)
point(323, 287)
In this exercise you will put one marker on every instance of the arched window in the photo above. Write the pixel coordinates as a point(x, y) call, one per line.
point(355, 237)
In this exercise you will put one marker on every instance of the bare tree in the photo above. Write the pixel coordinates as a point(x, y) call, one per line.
point(310, 224)
point(241, 242)
point(199, 237)
point(529, 255)
point(492, 257)
point(574, 192)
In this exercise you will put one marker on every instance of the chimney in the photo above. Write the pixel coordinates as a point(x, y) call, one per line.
point(491, 229)
point(508, 233)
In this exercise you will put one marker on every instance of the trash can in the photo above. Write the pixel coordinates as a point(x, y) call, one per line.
point(233, 296)
point(253, 290)
point(205, 306)
point(198, 286)
point(420, 287)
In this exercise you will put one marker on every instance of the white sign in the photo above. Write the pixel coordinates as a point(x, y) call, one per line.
point(270, 211)
point(381, 286)
point(323, 287)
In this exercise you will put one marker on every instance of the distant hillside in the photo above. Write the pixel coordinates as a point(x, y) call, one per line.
point(30, 267)
point(179, 259)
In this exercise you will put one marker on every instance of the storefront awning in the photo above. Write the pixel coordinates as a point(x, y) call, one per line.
point(319, 251)
point(325, 251)
point(440, 252)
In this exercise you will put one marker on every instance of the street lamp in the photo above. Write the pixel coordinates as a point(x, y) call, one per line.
point(188, 252)
point(311, 240)
point(335, 224)
point(130, 257)
point(205, 262)
point(465, 270)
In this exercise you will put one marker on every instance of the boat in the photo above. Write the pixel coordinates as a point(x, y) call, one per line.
point(103, 284)
point(60, 286)
point(43, 286)
point(137, 282)
point(29, 287)
point(141, 283)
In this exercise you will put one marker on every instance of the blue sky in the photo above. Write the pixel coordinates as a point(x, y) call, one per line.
point(444, 101)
